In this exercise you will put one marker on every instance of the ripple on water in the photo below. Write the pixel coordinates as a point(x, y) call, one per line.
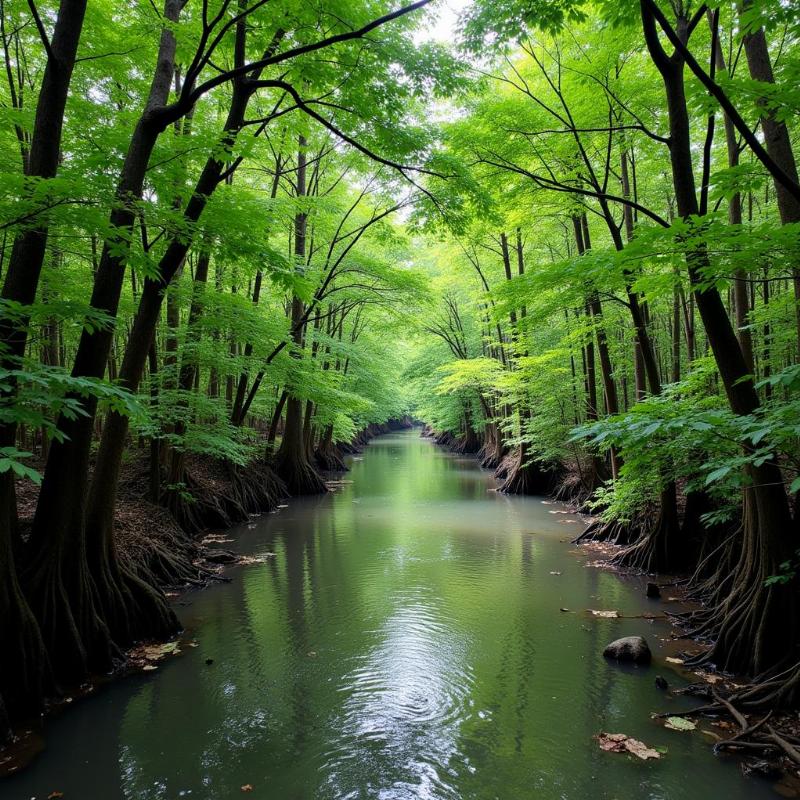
point(404, 702)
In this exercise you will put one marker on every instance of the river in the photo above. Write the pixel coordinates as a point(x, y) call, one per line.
point(402, 638)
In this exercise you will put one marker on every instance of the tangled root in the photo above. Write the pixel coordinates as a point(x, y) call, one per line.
point(613, 532)
point(521, 476)
point(330, 459)
point(299, 476)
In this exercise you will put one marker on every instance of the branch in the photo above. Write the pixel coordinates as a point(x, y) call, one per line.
point(547, 183)
point(42, 33)
point(304, 49)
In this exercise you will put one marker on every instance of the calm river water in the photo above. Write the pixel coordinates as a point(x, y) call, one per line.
point(402, 640)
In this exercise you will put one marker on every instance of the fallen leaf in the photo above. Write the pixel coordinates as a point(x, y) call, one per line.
point(620, 743)
point(55, 795)
point(712, 679)
point(563, 609)
point(155, 652)
point(672, 660)
point(248, 787)
point(260, 559)
point(605, 614)
point(555, 573)
point(149, 667)
point(679, 724)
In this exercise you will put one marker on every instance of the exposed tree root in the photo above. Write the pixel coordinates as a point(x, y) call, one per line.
point(255, 488)
point(663, 547)
point(5, 724)
point(467, 443)
point(130, 602)
point(525, 476)
point(63, 600)
point(491, 455)
point(24, 666)
point(505, 466)
point(329, 458)
point(493, 450)
point(215, 494)
point(753, 708)
point(613, 532)
point(299, 476)
point(753, 624)
point(444, 439)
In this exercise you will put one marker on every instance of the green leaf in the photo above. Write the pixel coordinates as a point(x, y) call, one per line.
point(717, 474)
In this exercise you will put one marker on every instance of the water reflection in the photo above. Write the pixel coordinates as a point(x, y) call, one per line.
point(403, 639)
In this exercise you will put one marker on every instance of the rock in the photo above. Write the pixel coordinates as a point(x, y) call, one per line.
point(653, 590)
point(632, 649)
point(661, 683)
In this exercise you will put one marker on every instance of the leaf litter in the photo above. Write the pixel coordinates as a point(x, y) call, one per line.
point(620, 743)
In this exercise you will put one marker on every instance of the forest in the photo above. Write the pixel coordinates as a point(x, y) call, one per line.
point(239, 239)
